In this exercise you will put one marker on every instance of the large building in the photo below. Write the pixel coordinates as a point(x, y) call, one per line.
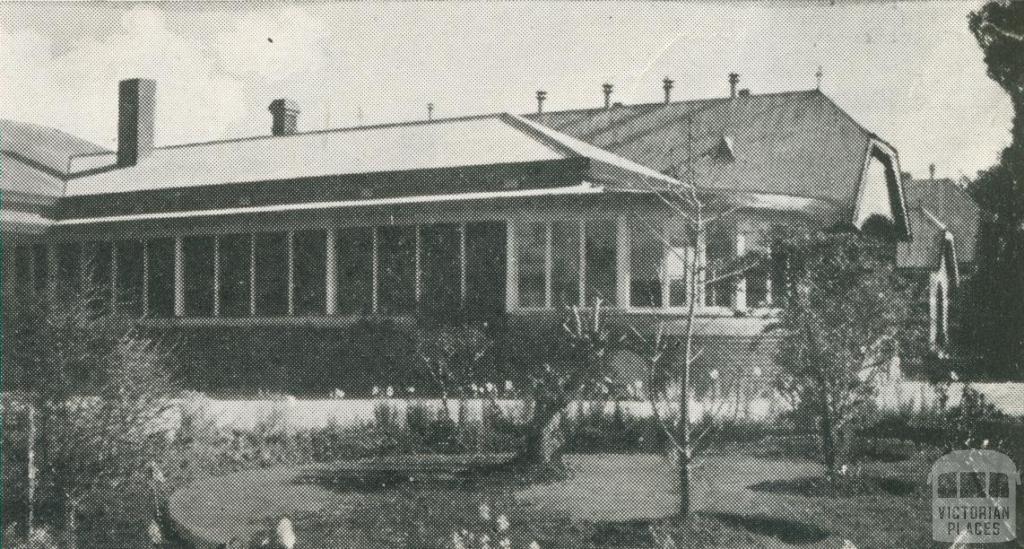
point(266, 249)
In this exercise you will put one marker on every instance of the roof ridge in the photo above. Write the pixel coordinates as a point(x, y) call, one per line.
point(675, 103)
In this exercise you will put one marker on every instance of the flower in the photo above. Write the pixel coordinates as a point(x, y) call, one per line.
point(457, 542)
point(505, 543)
point(375, 391)
point(843, 470)
point(508, 386)
point(410, 390)
point(757, 371)
point(485, 511)
point(391, 391)
point(714, 374)
point(502, 523)
point(534, 545)
point(490, 387)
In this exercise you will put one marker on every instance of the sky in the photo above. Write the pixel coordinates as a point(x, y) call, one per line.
point(909, 71)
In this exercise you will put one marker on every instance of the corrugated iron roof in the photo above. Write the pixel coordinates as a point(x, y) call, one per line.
point(953, 207)
point(795, 143)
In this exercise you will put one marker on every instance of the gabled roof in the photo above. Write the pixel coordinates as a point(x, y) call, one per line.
point(932, 242)
point(795, 143)
point(953, 207)
point(34, 160)
point(491, 140)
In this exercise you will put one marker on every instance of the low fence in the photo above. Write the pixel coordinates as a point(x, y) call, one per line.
point(300, 414)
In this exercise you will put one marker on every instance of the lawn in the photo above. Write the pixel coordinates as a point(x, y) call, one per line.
point(741, 499)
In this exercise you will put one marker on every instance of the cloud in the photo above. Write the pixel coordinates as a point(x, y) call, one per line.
point(77, 90)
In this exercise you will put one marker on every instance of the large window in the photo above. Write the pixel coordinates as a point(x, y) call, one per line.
point(310, 250)
point(354, 251)
point(161, 277)
point(600, 261)
point(531, 249)
point(271, 274)
point(397, 263)
point(440, 268)
point(235, 274)
point(485, 269)
point(40, 267)
point(565, 268)
point(720, 289)
point(69, 260)
point(647, 254)
point(199, 267)
point(130, 273)
point(97, 264)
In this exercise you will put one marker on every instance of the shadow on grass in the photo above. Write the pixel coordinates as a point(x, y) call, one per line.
point(788, 531)
point(846, 487)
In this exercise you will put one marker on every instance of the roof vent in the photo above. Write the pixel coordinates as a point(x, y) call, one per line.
point(666, 85)
point(734, 79)
point(607, 88)
point(286, 116)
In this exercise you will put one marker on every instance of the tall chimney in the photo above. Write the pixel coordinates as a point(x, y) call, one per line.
point(607, 95)
point(135, 112)
point(931, 171)
point(286, 116)
point(541, 96)
point(666, 85)
point(734, 79)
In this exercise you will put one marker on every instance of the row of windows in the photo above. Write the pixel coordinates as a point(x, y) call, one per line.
point(388, 269)
point(559, 260)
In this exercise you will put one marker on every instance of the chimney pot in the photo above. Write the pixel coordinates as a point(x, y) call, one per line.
point(541, 96)
point(285, 114)
point(931, 171)
point(666, 84)
point(135, 120)
point(607, 95)
point(734, 79)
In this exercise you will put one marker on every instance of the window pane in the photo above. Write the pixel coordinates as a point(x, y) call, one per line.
point(69, 278)
point(998, 485)
point(678, 262)
point(397, 253)
point(439, 261)
point(199, 265)
point(486, 246)
point(23, 268)
point(531, 244)
point(565, 268)
point(41, 267)
point(646, 256)
point(972, 485)
point(97, 272)
point(721, 250)
point(946, 487)
point(161, 277)
point(271, 274)
point(758, 244)
point(355, 270)
point(310, 272)
point(129, 278)
point(600, 266)
point(235, 275)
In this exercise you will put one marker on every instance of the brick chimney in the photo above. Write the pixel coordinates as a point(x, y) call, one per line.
point(734, 79)
point(286, 116)
point(136, 107)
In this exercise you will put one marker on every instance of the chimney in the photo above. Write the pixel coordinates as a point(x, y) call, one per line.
point(607, 95)
point(135, 109)
point(430, 111)
point(745, 92)
point(666, 85)
point(734, 79)
point(931, 171)
point(541, 96)
point(286, 116)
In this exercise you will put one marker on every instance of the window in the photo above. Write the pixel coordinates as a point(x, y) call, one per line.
point(946, 485)
point(565, 268)
point(531, 243)
point(235, 274)
point(397, 264)
point(199, 266)
point(40, 267)
point(998, 485)
point(972, 485)
point(161, 277)
point(600, 268)
point(130, 272)
point(440, 265)
point(310, 249)
point(720, 289)
point(97, 273)
point(646, 258)
point(678, 264)
point(759, 275)
point(355, 270)
point(271, 274)
point(23, 268)
point(486, 247)
point(69, 258)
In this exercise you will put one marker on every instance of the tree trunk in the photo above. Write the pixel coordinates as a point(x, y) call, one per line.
point(31, 472)
point(538, 445)
point(684, 452)
point(828, 445)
